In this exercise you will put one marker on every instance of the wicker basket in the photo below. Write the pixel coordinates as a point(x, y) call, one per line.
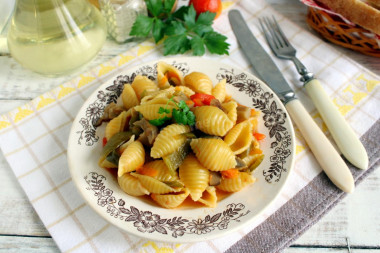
point(339, 32)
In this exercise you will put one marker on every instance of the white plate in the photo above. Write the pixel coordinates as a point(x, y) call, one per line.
point(141, 216)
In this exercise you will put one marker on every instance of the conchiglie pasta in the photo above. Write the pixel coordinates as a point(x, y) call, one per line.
point(116, 125)
point(129, 97)
point(153, 185)
point(160, 100)
point(150, 111)
point(126, 144)
point(237, 183)
point(167, 75)
point(194, 176)
point(163, 173)
point(131, 185)
point(209, 197)
point(185, 90)
point(230, 108)
point(170, 200)
point(143, 85)
point(167, 93)
point(253, 122)
point(252, 154)
point(198, 82)
point(219, 91)
point(169, 140)
point(156, 94)
point(132, 158)
point(214, 154)
point(239, 138)
point(212, 120)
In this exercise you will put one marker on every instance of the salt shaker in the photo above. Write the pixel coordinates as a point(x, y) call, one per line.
point(120, 16)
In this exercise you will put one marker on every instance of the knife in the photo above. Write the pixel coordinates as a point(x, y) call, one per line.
point(326, 155)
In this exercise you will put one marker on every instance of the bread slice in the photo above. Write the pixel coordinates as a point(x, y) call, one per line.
point(366, 14)
point(373, 3)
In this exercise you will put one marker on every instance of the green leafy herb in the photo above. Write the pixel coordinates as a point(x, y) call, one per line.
point(182, 115)
point(163, 110)
point(181, 31)
point(159, 121)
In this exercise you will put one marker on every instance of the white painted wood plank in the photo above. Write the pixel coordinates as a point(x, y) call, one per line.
point(352, 218)
point(332, 250)
point(10, 244)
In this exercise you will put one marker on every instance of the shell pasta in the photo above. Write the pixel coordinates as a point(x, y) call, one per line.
point(181, 138)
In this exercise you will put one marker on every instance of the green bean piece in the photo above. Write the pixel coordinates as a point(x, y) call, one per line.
point(174, 184)
point(175, 159)
point(113, 158)
point(256, 163)
point(113, 143)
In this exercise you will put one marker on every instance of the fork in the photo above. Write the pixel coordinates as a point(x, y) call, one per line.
point(342, 133)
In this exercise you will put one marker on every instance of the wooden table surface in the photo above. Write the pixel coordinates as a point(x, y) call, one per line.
point(354, 223)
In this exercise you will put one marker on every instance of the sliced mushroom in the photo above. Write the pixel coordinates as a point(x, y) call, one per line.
point(240, 164)
point(243, 113)
point(215, 178)
point(150, 132)
point(215, 102)
point(111, 111)
point(180, 97)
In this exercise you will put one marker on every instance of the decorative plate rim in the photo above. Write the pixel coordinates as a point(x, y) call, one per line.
point(160, 224)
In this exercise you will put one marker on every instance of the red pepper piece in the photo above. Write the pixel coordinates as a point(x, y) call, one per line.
point(200, 99)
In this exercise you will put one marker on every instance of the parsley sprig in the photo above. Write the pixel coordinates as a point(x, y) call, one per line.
point(181, 30)
point(182, 115)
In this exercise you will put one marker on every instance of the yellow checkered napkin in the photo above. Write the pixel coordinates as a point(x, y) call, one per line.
point(34, 138)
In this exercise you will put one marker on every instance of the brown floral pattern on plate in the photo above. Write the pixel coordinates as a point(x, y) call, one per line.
point(148, 222)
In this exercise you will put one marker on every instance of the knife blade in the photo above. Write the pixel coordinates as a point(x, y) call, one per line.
point(324, 152)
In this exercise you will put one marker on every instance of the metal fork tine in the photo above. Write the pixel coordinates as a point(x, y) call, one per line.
point(267, 35)
point(278, 28)
point(276, 39)
point(275, 33)
point(271, 35)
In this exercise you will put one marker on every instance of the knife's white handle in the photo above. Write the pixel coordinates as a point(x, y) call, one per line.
point(345, 138)
point(329, 159)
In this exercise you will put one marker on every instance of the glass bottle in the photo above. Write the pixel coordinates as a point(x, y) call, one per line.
point(55, 37)
point(120, 16)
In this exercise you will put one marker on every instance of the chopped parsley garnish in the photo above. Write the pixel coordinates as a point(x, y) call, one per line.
point(181, 30)
point(182, 115)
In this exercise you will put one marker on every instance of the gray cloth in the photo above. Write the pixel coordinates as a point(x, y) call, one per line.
point(307, 206)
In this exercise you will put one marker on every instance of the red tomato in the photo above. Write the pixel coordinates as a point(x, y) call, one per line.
point(207, 5)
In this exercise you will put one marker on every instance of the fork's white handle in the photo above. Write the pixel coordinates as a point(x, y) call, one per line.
point(345, 138)
point(329, 159)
